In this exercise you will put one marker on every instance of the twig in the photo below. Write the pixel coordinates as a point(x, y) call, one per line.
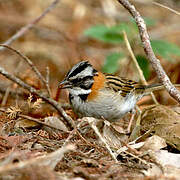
point(91, 122)
point(170, 9)
point(31, 64)
point(30, 25)
point(38, 121)
point(133, 152)
point(136, 157)
point(47, 81)
point(5, 96)
point(56, 105)
point(143, 80)
point(87, 142)
point(71, 134)
point(8, 89)
point(164, 79)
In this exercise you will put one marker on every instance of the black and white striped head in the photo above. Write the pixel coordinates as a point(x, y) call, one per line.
point(79, 79)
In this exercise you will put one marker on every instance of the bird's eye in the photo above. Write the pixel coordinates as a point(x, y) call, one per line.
point(87, 82)
point(84, 83)
point(74, 81)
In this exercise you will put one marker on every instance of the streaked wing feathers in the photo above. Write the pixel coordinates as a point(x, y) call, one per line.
point(123, 85)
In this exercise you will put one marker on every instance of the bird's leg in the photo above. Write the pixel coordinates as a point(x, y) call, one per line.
point(133, 111)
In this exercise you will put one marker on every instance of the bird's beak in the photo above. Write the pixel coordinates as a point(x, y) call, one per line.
point(65, 84)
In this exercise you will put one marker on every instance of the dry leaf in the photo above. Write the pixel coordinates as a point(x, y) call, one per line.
point(24, 123)
point(113, 137)
point(165, 123)
point(154, 143)
point(56, 122)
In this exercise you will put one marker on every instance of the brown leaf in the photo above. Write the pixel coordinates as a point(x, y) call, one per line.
point(165, 123)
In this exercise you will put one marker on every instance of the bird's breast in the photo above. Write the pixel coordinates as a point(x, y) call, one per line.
point(107, 105)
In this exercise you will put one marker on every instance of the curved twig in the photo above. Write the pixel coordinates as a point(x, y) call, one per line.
point(31, 64)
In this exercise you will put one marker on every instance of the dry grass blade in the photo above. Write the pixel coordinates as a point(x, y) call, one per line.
point(47, 81)
point(143, 80)
point(91, 122)
point(170, 9)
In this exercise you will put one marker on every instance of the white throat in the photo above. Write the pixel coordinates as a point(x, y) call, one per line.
point(78, 91)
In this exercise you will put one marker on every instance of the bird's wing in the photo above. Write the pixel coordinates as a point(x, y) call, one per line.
point(123, 85)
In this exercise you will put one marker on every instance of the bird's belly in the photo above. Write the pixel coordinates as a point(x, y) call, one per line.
point(110, 108)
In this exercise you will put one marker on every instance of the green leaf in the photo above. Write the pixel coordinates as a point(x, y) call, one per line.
point(165, 49)
point(106, 34)
point(144, 65)
point(111, 62)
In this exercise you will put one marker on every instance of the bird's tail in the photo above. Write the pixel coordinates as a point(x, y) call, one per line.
point(155, 87)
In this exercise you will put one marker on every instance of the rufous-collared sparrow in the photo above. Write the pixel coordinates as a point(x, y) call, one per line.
point(98, 95)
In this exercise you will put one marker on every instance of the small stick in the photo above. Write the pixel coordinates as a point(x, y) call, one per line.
point(38, 121)
point(4, 101)
point(8, 89)
point(69, 137)
point(91, 122)
point(170, 9)
point(24, 29)
point(87, 142)
point(47, 81)
point(143, 80)
point(29, 62)
point(136, 157)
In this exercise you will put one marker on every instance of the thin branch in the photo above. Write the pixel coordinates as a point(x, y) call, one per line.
point(5, 97)
point(31, 64)
point(170, 9)
point(47, 81)
point(38, 121)
point(8, 89)
point(24, 29)
point(142, 78)
point(149, 51)
point(56, 105)
point(91, 122)
point(27, 60)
